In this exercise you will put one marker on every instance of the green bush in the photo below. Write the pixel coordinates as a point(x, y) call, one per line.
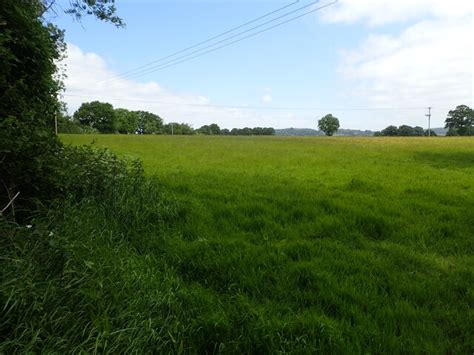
point(29, 50)
point(61, 272)
point(28, 158)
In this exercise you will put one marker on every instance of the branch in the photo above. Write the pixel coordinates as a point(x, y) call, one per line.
point(10, 203)
point(47, 7)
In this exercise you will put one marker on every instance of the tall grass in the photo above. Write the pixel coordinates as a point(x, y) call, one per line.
point(253, 245)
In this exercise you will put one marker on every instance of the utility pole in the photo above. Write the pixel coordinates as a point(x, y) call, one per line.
point(172, 130)
point(429, 121)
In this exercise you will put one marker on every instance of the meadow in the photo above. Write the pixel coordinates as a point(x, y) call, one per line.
point(274, 245)
point(331, 244)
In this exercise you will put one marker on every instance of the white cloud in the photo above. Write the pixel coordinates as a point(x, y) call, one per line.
point(427, 63)
point(89, 78)
point(267, 98)
point(380, 12)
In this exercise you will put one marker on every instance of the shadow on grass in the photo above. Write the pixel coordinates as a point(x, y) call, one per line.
point(447, 160)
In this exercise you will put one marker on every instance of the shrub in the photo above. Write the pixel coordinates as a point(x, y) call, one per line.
point(62, 272)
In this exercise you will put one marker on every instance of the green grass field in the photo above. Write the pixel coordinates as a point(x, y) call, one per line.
point(304, 244)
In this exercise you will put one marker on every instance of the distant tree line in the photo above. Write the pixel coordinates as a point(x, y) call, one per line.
point(404, 131)
point(101, 117)
point(214, 129)
point(459, 122)
point(308, 132)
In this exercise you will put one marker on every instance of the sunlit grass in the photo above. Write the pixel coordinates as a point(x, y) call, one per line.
point(279, 245)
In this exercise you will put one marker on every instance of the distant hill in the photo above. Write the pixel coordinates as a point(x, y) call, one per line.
point(301, 132)
point(440, 131)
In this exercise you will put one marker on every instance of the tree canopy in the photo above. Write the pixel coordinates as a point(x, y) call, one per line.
point(148, 123)
point(97, 115)
point(212, 129)
point(460, 121)
point(30, 83)
point(390, 131)
point(328, 124)
point(28, 90)
point(104, 10)
point(125, 121)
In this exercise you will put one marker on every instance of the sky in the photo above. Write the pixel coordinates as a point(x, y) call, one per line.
point(371, 63)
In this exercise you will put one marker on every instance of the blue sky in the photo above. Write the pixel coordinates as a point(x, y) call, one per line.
point(352, 55)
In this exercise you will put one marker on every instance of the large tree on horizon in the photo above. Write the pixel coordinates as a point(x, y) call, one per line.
point(97, 115)
point(328, 124)
point(460, 121)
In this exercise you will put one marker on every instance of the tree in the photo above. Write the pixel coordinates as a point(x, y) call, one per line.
point(206, 130)
point(212, 129)
point(30, 49)
point(148, 123)
point(126, 122)
point(257, 131)
point(418, 131)
point(328, 124)
point(185, 129)
point(390, 131)
point(215, 129)
point(102, 9)
point(452, 133)
point(98, 115)
point(460, 121)
point(269, 131)
point(28, 53)
point(178, 129)
point(405, 131)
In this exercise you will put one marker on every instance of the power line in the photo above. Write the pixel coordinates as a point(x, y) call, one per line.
point(145, 71)
point(256, 107)
point(209, 39)
point(173, 62)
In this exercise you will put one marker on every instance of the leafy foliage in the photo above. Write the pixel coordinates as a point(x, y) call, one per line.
point(212, 129)
point(460, 121)
point(148, 123)
point(104, 10)
point(30, 81)
point(178, 129)
point(402, 131)
point(328, 124)
point(105, 119)
point(96, 115)
point(28, 89)
point(256, 131)
point(69, 125)
point(85, 172)
point(53, 284)
point(390, 131)
point(126, 121)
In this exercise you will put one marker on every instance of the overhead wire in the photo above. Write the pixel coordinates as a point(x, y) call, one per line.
point(254, 107)
point(184, 58)
point(209, 39)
